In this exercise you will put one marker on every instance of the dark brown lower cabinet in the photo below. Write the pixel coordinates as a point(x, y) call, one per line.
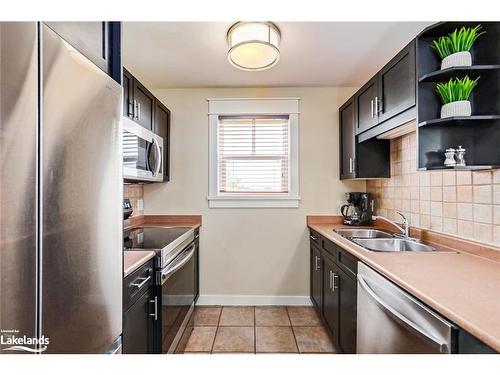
point(138, 325)
point(334, 292)
point(316, 278)
point(347, 293)
point(330, 295)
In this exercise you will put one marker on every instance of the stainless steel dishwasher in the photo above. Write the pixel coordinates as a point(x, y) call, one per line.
point(393, 322)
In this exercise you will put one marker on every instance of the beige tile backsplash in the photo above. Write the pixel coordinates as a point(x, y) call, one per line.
point(134, 192)
point(464, 203)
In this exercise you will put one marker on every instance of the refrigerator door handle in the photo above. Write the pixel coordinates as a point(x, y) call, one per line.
point(401, 319)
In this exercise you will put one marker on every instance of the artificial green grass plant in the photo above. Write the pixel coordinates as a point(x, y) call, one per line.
point(456, 89)
point(457, 41)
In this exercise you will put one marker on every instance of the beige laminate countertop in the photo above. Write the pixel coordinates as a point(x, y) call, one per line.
point(462, 287)
point(132, 260)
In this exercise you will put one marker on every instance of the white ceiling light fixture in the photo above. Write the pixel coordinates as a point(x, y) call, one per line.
point(253, 45)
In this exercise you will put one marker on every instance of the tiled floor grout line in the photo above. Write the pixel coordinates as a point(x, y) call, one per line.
point(216, 331)
point(293, 331)
point(254, 332)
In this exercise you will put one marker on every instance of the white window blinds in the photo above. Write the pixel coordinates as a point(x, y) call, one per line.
point(253, 154)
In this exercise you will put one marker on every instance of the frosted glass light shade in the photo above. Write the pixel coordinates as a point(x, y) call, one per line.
point(253, 45)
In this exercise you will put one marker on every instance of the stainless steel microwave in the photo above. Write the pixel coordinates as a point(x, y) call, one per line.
point(142, 153)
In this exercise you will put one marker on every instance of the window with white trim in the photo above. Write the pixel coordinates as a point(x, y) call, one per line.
point(253, 153)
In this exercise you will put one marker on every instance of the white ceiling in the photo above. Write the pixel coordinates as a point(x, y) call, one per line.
point(193, 54)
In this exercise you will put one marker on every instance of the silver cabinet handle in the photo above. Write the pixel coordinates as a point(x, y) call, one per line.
point(376, 105)
point(316, 265)
point(371, 107)
point(313, 238)
point(155, 301)
point(130, 109)
point(334, 281)
point(401, 319)
point(135, 116)
point(141, 284)
point(350, 165)
point(138, 111)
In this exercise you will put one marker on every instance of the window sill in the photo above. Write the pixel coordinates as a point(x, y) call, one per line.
point(253, 202)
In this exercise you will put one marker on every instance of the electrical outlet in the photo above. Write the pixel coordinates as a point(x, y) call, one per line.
point(140, 205)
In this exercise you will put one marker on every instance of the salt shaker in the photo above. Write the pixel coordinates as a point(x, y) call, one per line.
point(450, 157)
point(460, 156)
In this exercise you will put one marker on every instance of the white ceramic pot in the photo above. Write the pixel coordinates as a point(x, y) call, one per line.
point(463, 58)
point(459, 108)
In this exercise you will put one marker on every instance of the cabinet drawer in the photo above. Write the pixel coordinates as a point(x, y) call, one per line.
point(330, 248)
point(315, 238)
point(135, 284)
point(347, 261)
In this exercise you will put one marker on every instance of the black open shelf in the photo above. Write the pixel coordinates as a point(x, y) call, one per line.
point(459, 119)
point(445, 74)
point(466, 168)
point(478, 134)
point(480, 138)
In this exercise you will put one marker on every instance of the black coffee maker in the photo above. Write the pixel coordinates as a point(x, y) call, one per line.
point(359, 209)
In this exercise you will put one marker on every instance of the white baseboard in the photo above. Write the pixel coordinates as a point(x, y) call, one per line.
point(252, 300)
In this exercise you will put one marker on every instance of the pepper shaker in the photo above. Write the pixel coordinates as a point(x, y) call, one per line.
point(450, 157)
point(460, 156)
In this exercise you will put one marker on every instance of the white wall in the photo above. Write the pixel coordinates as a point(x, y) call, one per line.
point(252, 252)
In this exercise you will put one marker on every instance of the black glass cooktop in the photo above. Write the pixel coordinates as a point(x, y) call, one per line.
point(152, 238)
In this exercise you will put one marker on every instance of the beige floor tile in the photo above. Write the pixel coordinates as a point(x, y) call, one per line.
point(234, 340)
point(201, 339)
point(303, 316)
point(313, 340)
point(207, 315)
point(271, 316)
point(237, 316)
point(275, 340)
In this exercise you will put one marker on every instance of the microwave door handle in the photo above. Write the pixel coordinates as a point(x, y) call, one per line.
point(402, 320)
point(158, 159)
point(170, 271)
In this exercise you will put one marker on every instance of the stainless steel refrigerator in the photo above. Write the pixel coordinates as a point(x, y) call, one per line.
point(60, 196)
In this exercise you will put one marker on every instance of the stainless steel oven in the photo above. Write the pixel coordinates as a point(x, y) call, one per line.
point(177, 294)
point(142, 153)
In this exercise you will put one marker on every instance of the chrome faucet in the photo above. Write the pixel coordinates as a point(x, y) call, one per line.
point(404, 229)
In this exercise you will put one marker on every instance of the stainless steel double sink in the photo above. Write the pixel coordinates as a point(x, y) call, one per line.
point(377, 240)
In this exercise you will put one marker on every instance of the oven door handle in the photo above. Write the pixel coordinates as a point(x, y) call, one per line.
point(400, 318)
point(170, 270)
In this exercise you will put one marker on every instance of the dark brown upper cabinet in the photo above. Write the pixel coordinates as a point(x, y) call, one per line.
point(143, 105)
point(162, 128)
point(389, 93)
point(348, 140)
point(138, 101)
point(397, 84)
point(368, 159)
point(365, 105)
point(100, 42)
point(128, 94)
